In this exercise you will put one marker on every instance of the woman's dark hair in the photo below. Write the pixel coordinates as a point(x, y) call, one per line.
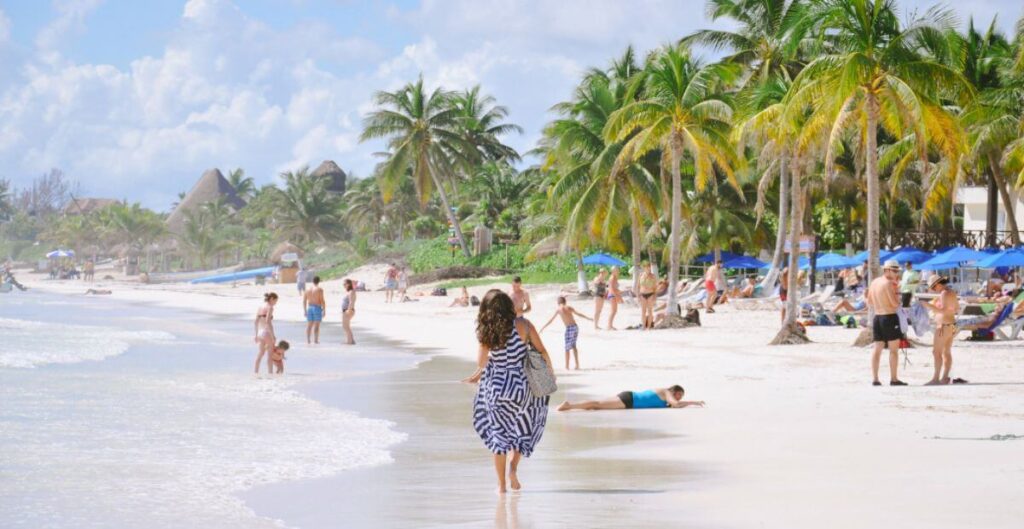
point(495, 319)
point(348, 284)
point(678, 388)
point(269, 296)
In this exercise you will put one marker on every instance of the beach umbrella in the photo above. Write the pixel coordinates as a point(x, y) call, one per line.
point(804, 262)
point(743, 261)
point(1005, 258)
point(991, 250)
point(910, 255)
point(710, 257)
point(862, 257)
point(832, 261)
point(602, 259)
point(954, 258)
point(60, 253)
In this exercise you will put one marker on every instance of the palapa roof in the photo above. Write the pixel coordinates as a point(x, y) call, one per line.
point(283, 248)
point(210, 187)
point(84, 205)
point(330, 169)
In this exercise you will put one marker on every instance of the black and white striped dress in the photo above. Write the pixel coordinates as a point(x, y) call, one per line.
point(506, 414)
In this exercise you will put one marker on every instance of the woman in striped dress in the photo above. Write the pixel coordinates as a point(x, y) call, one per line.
point(506, 414)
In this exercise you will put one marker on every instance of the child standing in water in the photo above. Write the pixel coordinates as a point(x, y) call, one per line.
point(572, 330)
point(277, 357)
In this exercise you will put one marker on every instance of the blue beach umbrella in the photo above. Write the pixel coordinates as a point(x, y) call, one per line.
point(910, 255)
point(954, 258)
point(832, 261)
point(743, 261)
point(1005, 258)
point(862, 257)
point(602, 259)
point(803, 261)
point(710, 257)
point(60, 253)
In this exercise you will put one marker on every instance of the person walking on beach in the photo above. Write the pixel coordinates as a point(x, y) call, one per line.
point(507, 416)
point(711, 284)
point(885, 327)
point(784, 289)
point(944, 310)
point(908, 285)
point(300, 281)
point(670, 397)
point(614, 298)
point(520, 297)
point(264, 329)
point(600, 292)
point(390, 283)
point(403, 283)
point(572, 330)
point(314, 307)
point(89, 271)
point(348, 310)
point(648, 290)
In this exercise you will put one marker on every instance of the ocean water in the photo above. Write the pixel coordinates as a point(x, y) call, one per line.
point(118, 415)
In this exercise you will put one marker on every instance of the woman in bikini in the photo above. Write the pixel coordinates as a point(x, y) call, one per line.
point(614, 298)
point(264, 329)
point(600, 293)
point(648, 289)
point(943, 309)
point(348, 310)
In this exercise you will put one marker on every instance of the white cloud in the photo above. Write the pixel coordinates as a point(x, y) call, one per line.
point(70, 20)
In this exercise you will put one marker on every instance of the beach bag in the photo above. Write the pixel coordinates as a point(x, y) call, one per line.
point(981, 335)
point(540, 379)
point(693, 316)
point(474, 301)
point(439, 292)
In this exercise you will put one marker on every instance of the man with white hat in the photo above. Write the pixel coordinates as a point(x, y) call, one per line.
point(884, 301)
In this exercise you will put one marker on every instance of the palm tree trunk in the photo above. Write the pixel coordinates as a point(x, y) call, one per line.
point(780, 233)
point(638, 226)
point(991, 211)
point(871, 167)
point(451, 214)
point(790, 333)
point(1004, 194)
point(673, 260)
point(581, 274)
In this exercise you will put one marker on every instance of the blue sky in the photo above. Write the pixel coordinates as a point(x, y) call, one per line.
point(134, 99)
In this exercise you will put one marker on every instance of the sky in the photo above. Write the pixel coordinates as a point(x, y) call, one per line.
point(134, 100)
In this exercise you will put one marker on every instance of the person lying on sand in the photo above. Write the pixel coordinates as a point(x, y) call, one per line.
point(98, 292)
point(670, 397)
point(277, 358)
point(572, 330)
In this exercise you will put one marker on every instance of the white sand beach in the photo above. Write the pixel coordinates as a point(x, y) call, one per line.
point(791, 436)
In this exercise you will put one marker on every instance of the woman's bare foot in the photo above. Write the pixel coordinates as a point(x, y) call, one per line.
point(563, 406)
point(514, 480)
point(500, 491)
point(932, 382)
point(944, 381)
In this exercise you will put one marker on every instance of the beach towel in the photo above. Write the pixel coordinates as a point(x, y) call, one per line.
point(920, 320)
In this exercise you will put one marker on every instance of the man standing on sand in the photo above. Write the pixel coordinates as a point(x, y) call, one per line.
point(572, 330)
point(711, 285)
point(314, 305)
point(390, 283)
point(520, 297)
point(908, 285)
point(883, 300)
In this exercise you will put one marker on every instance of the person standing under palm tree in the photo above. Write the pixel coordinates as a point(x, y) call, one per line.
point(648, 295)
point(614, 297)
point(600, 292)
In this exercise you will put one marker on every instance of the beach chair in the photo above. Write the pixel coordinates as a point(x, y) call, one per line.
point(819, 298)
point(1013, 328)
point(999, 321)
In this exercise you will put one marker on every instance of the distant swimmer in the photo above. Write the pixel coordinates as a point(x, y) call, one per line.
point(572, 330)
point(670, 397)
point(264, 327)
point(314, 306)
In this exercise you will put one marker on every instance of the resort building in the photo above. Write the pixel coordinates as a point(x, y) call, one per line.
point(974, 201)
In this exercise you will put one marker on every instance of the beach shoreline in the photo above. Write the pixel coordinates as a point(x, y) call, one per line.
point(792, 434)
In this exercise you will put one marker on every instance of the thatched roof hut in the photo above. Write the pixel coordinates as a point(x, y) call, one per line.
point(283, 248)
point(210, 187)
point(329, 169)
point(85, 205)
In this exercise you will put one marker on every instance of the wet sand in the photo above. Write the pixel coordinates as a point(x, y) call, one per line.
point(442, 475)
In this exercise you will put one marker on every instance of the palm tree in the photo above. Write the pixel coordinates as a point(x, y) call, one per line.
point(871, 73)
point(425, 138)
point(245, 186)
point(499, 190)
point(481, 121)
point(200, 236)
point(682, 113)
point(6, 207)
point(305, 211)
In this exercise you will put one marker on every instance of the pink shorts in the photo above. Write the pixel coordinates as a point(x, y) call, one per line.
point(709, 285)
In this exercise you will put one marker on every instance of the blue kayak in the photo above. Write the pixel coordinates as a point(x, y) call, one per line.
point(237, 276)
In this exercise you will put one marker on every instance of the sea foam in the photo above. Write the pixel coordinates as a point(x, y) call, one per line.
point(29, 344)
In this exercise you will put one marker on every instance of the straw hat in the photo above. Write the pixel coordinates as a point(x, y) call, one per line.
point(936, 279)
point(891, 264)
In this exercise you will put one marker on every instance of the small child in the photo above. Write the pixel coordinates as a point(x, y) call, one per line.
point(572, 331)
point(277, 357)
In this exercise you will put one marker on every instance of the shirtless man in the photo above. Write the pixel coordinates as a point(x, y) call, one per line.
point(883, 299)
point(572, 331)
point(711, 280)
point(520, 297)
point(313, 305)
point(670, 397)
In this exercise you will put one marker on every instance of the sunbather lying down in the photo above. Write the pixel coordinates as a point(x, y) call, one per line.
point(670, 397)
point(973, 323)
point(855, 307)
point(98, 292)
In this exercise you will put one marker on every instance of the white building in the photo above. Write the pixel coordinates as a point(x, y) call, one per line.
point(975, 202)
